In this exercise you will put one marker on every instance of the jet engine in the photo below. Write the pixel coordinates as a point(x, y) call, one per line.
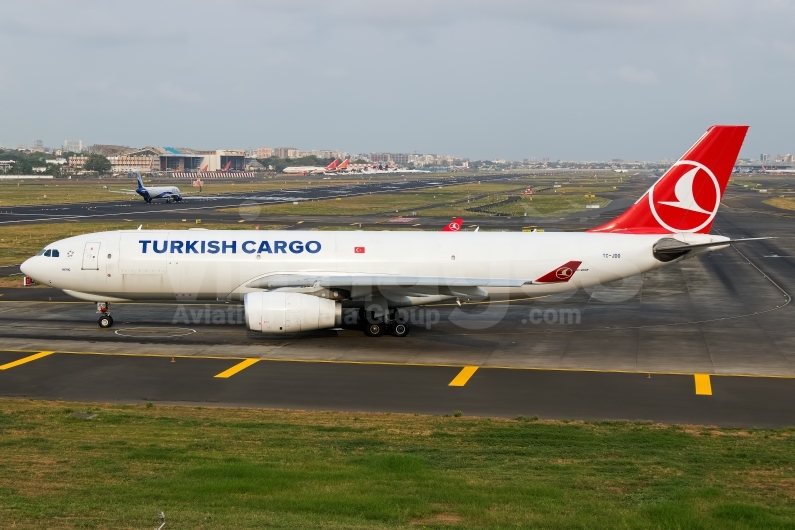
point(280, 312)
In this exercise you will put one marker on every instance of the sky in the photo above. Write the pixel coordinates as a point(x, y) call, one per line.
point(569, 80)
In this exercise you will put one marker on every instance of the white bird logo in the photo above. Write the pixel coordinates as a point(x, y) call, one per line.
point(685, 198)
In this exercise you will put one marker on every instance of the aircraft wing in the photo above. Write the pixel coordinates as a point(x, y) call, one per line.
point(125, 192)
point(343, 281)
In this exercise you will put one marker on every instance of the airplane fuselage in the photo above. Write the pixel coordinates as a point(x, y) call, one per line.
point(211, 265)
point(168, 193)
point(301, 170)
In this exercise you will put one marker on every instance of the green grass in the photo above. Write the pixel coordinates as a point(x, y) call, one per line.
point(441, 201)
point(784, 203)
point(385, 203)
point(231, 468)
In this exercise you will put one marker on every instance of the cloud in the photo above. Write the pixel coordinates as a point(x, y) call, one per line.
point(634, 76)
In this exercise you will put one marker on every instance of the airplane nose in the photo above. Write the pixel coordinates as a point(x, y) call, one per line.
point(26, 267)
point(32, 268)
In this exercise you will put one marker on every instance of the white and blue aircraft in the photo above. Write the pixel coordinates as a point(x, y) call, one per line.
point(168, 193)
point(293, 281)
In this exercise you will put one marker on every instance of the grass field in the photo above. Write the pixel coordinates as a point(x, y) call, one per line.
point(386, 203)
point(447, 201)
point(230, 468)
point(784, 203)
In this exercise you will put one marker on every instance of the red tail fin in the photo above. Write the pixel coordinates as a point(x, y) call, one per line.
point(333, 164)
point(344, 163)
point(687, 196)
point(454, 225)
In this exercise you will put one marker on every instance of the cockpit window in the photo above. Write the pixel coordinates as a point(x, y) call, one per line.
point(41, 252)
point(55, 253)
point(47, 253)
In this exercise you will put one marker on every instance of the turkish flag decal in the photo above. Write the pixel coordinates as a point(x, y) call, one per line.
point(358, 250)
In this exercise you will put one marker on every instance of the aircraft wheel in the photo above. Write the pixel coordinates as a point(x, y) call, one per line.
point(374, 329)
point(399, 329)
point(105, 321)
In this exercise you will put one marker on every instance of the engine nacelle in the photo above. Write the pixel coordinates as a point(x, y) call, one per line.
point(279, 312)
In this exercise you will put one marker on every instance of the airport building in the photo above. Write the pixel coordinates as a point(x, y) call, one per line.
point(128, 163)
point(180, 160)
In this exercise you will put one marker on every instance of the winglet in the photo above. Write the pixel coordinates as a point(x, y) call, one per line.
point(454, 225)
point(560, 275)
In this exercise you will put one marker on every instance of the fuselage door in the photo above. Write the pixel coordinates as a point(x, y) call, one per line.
point(91, 256)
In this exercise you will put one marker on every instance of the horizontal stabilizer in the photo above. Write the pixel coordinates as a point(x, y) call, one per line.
point(668, 249)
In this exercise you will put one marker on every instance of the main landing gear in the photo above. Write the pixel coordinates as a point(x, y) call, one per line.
point(376, 326)
point(105, 320)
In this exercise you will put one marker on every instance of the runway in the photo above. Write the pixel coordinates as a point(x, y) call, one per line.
point(715, 400)
point(198, 206)
point(725, 316)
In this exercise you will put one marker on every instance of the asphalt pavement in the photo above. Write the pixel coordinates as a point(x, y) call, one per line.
point(709, 340)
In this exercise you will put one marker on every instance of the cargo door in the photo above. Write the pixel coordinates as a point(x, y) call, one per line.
point(91, 256)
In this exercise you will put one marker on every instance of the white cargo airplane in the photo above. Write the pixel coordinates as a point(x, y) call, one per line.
point(292, 281)
point(168, 193)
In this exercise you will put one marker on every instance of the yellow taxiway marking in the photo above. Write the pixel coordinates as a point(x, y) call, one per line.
point(26, 359)
point(463, 376)
point(703, 385)
point(236, 368)
point(394, 363)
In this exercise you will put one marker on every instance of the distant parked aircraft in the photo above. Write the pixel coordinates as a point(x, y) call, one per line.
point(785, 171)
point(311, 170)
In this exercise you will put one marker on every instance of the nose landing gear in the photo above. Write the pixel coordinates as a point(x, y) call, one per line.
point(105, 320)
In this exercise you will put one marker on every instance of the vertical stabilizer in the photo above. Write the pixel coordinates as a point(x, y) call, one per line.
point(686, 198)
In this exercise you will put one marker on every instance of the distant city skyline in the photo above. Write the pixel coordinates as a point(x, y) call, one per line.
point(567, 80)
point(77, 146)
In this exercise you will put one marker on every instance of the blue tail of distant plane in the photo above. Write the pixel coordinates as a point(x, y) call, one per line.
point(140, 182)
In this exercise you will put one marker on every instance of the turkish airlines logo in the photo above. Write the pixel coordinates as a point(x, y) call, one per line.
point(687, 198)
point(455, 227)
point(563, 273)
